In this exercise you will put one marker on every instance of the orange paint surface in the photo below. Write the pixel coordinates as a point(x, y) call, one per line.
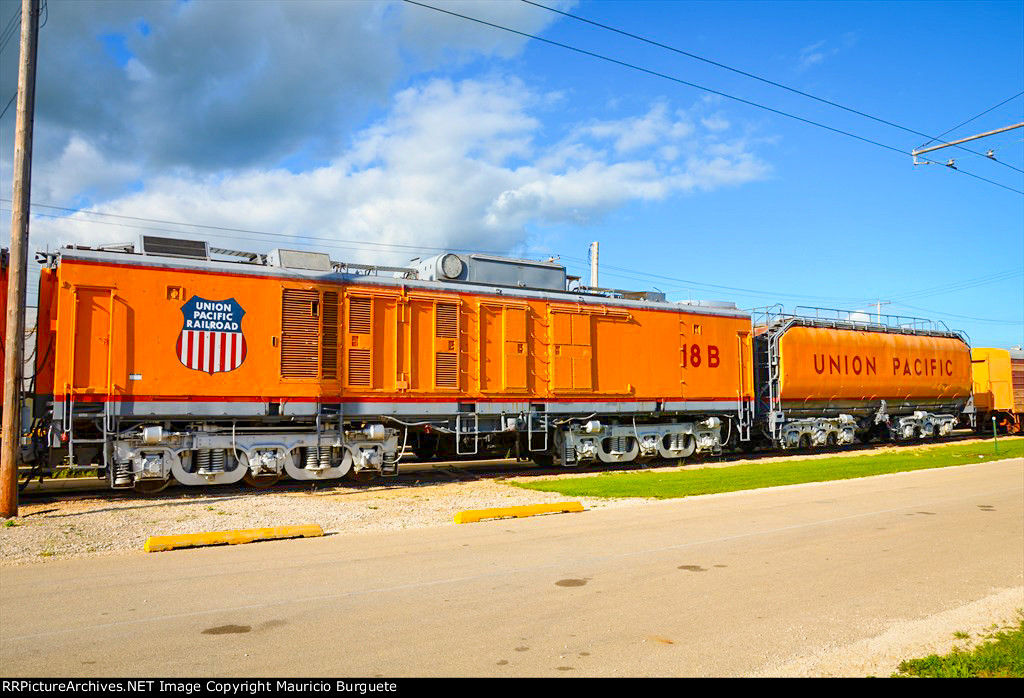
point(117, 329)
point(824, 364)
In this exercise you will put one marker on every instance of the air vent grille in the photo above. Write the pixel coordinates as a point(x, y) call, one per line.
point(300, 325)
point(173, 247)
point(329, 336)
point(359, 367)
point(360, 315)
point(446, 366)
point(448, 320)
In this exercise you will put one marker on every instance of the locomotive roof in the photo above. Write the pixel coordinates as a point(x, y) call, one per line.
point(254, 265)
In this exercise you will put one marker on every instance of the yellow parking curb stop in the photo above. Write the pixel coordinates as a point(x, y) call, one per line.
point(473, 515)
point(156, 544)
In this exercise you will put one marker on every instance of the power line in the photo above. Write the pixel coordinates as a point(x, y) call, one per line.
point(960, 285)
point(313, 241)
point(759, 78)
point(969, 121)
point(9, 29)
point(964, 317)
point(9, 103)
point(694, 285)
point(231, 230)
point(690, 283)
point(610, 270)
point(694, 85)
point(327, 242)
point(303, 240)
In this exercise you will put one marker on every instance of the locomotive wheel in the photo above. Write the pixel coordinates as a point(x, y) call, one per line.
point(261, 481)
point(150, 487)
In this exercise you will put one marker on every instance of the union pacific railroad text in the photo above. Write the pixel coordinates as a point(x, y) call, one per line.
point(867, 365)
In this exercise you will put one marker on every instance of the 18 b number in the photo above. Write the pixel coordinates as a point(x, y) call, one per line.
point(694, 356)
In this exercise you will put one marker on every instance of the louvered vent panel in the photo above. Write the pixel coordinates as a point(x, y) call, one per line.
point(329, 337)
point(300, 325)
point(359, 367)
point(360, 315)
point(447, 320)
point(172, 247)
point(446, 365)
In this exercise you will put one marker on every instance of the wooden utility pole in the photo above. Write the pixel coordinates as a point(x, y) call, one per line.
point(878, 309)
point(18, 270)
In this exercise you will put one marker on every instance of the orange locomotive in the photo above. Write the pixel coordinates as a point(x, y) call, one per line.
point(171, 361)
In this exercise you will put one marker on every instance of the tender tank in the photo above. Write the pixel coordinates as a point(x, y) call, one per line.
point(855, 370)
point(827, 381)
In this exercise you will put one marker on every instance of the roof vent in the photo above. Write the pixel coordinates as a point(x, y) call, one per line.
point(173, 247)
point(294, 259)
point(492, 271)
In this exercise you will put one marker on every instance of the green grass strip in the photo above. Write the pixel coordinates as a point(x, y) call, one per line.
point(1001, 657)
point(772, 474)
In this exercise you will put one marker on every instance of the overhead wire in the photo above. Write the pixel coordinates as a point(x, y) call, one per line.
point(938, 138)
point(680, 81)
point(963, 317)
point(9, 29)
point(246, 231)
point(766, 80)
point(304, 240)
point(688, 283)
point(959, 285)
point(577, 263)
point(580, 264)
point(6, 35)
point(9, 103)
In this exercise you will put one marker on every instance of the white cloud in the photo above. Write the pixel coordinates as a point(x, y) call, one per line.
point(82, 171)
point(455, 165)
point(233, 84)
point(639, 132)
point(816, 53)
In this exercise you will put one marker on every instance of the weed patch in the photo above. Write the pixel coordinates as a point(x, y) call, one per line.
point(1000, 656)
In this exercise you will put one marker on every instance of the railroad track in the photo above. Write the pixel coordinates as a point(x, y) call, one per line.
point(414, 473)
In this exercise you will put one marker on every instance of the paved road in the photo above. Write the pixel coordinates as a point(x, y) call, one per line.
point(717, 585)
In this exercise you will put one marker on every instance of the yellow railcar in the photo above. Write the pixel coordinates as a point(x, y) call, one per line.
point(998, 376)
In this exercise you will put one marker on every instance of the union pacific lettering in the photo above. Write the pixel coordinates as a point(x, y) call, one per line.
point(921, 367)
point(845, 364)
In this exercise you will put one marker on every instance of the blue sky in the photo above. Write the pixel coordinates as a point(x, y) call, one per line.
point(387, 123)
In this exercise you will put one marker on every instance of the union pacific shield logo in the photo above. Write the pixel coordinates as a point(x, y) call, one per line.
point(211, 339)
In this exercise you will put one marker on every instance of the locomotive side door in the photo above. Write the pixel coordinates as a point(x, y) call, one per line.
point(503, 362)
point(96, 355)
point(571, 351)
